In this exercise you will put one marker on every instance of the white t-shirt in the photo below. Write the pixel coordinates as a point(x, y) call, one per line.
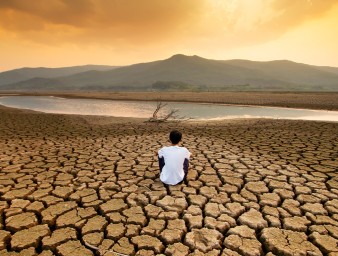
point(172, 172)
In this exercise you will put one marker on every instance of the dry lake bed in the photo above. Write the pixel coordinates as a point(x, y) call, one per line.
point(88, 185)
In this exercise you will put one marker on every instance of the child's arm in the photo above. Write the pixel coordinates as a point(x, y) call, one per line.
point(189, 154)
point(158, 153)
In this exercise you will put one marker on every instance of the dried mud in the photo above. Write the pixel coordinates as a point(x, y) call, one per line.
point(77, 185)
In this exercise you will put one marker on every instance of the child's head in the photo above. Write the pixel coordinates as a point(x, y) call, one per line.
point(175, 137)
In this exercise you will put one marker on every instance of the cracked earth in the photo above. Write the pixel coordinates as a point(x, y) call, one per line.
point(72, 185)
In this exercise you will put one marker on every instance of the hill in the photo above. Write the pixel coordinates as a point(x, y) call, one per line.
point(193, 73)
point(22, 74)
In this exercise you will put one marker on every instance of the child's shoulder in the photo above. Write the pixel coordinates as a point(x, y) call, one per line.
point(173, 148)
point(165, 148)
point(183, 149)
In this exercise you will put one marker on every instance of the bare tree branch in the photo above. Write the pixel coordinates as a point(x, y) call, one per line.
point(171, 115)
point(159, 106)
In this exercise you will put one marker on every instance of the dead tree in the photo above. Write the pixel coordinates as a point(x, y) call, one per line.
point(171, 115)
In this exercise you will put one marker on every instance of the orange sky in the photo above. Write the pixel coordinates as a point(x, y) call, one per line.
point(58, 33)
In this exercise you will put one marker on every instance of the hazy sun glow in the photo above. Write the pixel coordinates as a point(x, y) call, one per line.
point(63, 33)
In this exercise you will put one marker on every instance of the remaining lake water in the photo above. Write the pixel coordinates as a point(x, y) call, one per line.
point(144, 109)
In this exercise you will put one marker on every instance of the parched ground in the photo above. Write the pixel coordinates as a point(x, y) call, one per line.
point(72, 185)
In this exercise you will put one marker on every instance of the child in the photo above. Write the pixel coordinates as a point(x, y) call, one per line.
point(173, 160)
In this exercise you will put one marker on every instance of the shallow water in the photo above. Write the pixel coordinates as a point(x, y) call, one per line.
point(144, 109)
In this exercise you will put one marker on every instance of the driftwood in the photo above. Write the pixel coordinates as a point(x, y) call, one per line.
point(170, 116)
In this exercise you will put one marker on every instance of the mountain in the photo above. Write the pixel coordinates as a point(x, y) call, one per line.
point(188, 73)
point(329, 69)
point(17, 75)
point(296, 73)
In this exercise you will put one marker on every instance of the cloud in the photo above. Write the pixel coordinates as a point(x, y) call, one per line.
point(131, 22)
point(102, 20)
point(290, 14)
point(237, 23)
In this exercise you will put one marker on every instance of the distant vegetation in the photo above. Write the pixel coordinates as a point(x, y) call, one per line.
point(178, 73)
point(175, 86)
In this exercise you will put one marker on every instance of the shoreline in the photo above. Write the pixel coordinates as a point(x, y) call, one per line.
point(299, 100)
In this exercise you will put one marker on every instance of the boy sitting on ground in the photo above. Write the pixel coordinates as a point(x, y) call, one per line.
point(173, 160)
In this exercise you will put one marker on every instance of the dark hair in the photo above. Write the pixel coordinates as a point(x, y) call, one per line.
point(175, 137)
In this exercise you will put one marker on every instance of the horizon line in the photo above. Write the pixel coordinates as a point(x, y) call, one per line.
point(114, 65)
